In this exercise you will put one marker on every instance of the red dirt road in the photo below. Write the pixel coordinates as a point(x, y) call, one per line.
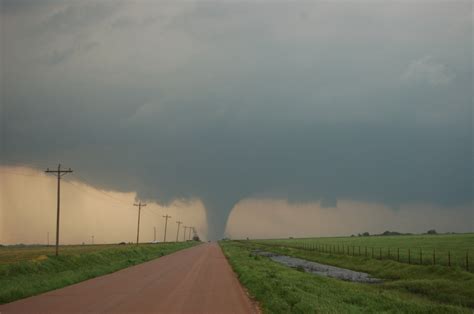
point(195, 280)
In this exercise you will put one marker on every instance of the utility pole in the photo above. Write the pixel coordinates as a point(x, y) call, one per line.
point(154, 234)
point(140, 205)
point(184, 234)
point(166, 224)
point(177, 233)
point(190, 228)
point(59, 173)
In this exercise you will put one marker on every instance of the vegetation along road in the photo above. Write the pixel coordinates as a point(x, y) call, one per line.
point(194, 280)
point(405, 288)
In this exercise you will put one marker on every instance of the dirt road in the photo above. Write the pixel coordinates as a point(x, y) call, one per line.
point(195, 280)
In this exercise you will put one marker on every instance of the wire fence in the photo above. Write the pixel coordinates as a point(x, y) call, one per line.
point(413, 256)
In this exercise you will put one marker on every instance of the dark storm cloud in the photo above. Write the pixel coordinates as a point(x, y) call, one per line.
point(223, 102)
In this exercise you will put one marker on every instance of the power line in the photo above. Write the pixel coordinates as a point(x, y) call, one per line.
point(166, 224)
point(177, 232)
point(184, 234)
point(97, 191)
point(100, 191)
point(140, 205)
point(59, 173)
point(22, 174)
point(20, 163)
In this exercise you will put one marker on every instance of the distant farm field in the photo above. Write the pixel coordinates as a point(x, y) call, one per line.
point(29, 270)
point(440, 249)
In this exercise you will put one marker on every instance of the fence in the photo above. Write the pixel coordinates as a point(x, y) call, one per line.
point(414, 256)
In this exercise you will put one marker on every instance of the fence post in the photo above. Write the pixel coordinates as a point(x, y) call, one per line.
point(409, 257)
point(449, 258)
point(467, 260)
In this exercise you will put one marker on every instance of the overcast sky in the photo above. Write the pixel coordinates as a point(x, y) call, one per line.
point(223, 101)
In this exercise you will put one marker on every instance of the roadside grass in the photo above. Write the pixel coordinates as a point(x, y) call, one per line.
point(48, 272)
point(428, 245)
point(449, 285)
point(280, 289)
point(13, 254)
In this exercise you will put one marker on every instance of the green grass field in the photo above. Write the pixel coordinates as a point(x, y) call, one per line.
point(13, 254)
point(433, 248)
point(280, 289)
point(27, 271)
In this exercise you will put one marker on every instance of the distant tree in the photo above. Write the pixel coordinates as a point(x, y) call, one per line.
point(432, 231)
point(352, 235)
point(365, 234)
point(391, 233)
point(358, 234)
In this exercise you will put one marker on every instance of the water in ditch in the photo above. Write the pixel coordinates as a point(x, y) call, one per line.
point(320, 269)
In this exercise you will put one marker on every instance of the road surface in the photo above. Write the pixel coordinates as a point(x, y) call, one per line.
point(194, 280)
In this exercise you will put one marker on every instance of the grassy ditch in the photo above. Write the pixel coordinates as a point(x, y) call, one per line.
point(280, 289)
point(451, 285)
point(48, 272)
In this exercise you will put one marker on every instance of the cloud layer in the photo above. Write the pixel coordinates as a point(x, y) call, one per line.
point(222, 101)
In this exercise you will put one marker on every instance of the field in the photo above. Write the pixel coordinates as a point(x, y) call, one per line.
point(405, 288)
point(30, 270)
point(13, 254)
point(441, 249)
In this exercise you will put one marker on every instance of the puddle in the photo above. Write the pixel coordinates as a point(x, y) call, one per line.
point(320, 269)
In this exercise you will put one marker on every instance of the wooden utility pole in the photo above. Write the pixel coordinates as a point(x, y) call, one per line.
point(177, 232)
point(140, 205)
point(184, 234)
point(166, 224)
point(59, 173)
